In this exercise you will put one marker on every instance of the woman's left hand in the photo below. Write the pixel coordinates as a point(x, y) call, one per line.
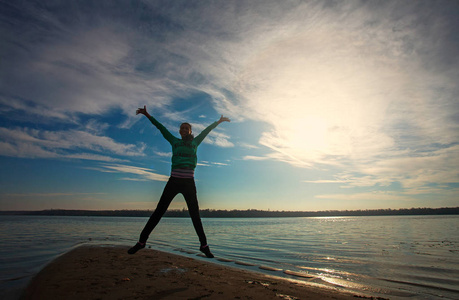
point(223, 119)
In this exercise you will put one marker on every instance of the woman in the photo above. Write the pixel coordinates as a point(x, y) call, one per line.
point(184, 161)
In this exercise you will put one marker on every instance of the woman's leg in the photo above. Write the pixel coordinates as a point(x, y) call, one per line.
point(170, 191)
point(193, 209)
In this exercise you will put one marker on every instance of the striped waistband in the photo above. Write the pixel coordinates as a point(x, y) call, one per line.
point(182, 173)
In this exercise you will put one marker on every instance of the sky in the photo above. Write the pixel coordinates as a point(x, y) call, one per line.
point(334, 105)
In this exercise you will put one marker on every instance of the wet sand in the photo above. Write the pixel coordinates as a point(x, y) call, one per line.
point(90, 272)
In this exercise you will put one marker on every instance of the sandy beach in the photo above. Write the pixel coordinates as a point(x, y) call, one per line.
point(91, 272)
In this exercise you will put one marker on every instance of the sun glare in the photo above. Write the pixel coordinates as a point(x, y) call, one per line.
point(321, 101)
point(308, 133)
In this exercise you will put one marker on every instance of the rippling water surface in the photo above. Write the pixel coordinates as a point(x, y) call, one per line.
point(392, 257)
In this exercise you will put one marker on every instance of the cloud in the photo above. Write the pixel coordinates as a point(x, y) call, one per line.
point(323, 99)
point(95, 127)
point(414, 173)
point(354, 89)
point(163, 154)
point(10, 105)
point(86, 64)
point(372, 196)
point(219, 139)
point(33, 143)
point(142, 173)
point(209, 163)
point(252, 157)
point(324, 181)
point(248, 146)
point(398, 199)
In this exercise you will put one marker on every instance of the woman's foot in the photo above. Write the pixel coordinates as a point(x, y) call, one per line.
point(136, 248)
point(206, 250)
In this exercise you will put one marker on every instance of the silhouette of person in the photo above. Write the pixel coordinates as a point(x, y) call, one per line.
point(184, 161)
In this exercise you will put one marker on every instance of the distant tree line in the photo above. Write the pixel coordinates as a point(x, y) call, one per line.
point(250, 213)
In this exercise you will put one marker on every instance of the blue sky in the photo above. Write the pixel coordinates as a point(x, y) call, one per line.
point(334, 104)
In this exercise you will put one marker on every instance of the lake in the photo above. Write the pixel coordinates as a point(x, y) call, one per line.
point(393, 257)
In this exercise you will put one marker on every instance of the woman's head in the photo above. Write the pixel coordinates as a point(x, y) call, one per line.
point(185, 131)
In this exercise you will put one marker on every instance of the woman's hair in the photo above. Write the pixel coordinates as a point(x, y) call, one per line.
point(186, 124)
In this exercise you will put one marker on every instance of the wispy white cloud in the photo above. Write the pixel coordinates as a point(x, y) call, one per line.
point(325, 181)
point(10, 105)
point(372, 196)
point(252, 157)
point(163, 154)
point(414, 173)
point(395, 199)
point(32, 143)
point(219, 139)
point(209, 163)
point(95, 127)
point(248, 146)
point(220, 164)
point(203, 164)
point(142, 174)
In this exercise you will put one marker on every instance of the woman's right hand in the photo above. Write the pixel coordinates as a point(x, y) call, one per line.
point(142, 111)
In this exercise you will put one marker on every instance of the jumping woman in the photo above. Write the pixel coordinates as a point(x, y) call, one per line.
point(184, 161)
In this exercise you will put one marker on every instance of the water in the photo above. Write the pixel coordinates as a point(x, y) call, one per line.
point(394, 257)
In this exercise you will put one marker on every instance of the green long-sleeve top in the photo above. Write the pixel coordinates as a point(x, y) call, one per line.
point(183, 152)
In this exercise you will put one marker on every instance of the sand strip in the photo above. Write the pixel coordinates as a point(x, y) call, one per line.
point(90, 272)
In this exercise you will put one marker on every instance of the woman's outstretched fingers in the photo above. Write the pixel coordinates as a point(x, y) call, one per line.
point(224, 119)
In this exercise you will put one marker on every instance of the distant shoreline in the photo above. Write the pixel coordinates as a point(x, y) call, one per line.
point(250, 213)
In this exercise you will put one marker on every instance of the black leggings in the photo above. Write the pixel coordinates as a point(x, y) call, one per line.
point(174, 186)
